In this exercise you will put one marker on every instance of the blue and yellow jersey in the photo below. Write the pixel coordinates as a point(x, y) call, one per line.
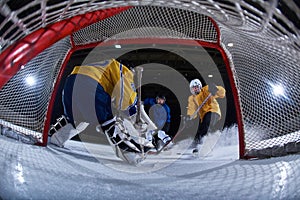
point(115, 78)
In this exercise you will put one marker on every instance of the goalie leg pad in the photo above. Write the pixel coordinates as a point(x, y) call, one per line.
point(65, 133)
point(146, 122)
point(126, 147)
point(128, 127)
point(131, 158)
point(116, 137)
point(124, 150)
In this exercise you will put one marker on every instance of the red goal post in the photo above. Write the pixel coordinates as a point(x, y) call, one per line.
point(258, 114)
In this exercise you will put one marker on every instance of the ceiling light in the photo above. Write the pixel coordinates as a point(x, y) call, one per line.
point(278, 90)
point(30, 80)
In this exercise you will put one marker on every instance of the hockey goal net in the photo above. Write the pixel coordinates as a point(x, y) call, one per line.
point(259, 42)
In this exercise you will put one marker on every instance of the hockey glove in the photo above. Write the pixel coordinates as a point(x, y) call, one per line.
point(213, 89)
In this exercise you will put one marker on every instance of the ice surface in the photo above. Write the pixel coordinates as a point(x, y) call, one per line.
point(91, 171)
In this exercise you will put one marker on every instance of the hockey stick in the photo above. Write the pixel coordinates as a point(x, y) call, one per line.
point(199, 107)
point(139, 93)
point(138, 122)
point(184, 123)
point(192, 116)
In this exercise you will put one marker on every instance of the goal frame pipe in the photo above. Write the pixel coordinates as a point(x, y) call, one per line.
point(234, 90)
point(23, 51)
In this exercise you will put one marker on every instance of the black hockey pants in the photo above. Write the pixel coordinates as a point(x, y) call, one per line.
point(209, 120)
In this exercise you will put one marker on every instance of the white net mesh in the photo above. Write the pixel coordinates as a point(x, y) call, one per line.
point(137, 23)
point(23, 102)
point(266, 114)
point(261, 39)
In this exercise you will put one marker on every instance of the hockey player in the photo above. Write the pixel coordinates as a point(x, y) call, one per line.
point(160, 114)
point(210, 112)
point(88, 95)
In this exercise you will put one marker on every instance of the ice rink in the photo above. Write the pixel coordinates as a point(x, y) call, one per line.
point(92, 171)
point(249, 47)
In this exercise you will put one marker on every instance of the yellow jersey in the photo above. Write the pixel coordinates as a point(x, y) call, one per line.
point(210, 106)
point(115, 78)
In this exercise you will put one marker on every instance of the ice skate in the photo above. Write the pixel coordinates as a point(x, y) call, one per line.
point(163, 136)
point(127, 127)
point(196, 149)
point(196, 146)
point(161, 140)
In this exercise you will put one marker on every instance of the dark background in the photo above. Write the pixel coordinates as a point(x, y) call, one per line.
point(142, 56)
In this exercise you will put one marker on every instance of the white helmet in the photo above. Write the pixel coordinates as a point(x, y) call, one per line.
point(195, 83)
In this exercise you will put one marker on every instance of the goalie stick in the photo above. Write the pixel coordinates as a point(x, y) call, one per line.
point(138, 122)
point(139, 71)
point(183, 125)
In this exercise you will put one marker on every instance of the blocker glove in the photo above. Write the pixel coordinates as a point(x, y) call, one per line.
point(213, 89)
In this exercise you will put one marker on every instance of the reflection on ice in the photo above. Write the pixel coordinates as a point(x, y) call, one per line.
point(19, 173)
